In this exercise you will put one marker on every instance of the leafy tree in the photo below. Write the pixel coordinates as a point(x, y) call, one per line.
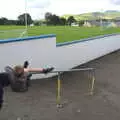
point(48, 17)
point(81, 23)
point(70, 20)
point(55, 20)
point(52, 19)
point(11, 22)
point(63, 21)
point(21, 19)
point(3, 21)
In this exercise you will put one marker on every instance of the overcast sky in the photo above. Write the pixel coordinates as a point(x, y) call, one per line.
point(37, 8)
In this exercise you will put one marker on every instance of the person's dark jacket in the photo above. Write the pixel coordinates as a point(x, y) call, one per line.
point(4, 81)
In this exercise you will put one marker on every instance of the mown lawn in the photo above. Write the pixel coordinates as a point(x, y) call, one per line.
point(63, 33)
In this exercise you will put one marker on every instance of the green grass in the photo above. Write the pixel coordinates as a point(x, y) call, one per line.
point(63, 33)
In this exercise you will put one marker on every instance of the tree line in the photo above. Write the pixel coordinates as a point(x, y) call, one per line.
point(50, 19)
point(19, 21)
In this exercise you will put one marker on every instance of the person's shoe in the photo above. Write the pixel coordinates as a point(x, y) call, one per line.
point(47, 70)
point(0, 106)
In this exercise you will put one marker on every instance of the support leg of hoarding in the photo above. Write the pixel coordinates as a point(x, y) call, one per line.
point(93, 83)
point(58, 100)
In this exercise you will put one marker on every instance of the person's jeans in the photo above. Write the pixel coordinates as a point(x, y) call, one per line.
point(1, 96)
point(4, 81)
point(28, 79)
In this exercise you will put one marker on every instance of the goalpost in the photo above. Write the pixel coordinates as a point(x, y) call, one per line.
point(15, 33)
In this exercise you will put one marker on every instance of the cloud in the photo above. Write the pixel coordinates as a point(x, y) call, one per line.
point(37, 8)
point(39, 4)
point(116, 2)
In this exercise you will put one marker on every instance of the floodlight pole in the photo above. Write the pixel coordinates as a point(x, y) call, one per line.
point(26, 17)
point(101, 21)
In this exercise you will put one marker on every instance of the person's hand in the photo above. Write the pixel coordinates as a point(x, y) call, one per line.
point(26, 63)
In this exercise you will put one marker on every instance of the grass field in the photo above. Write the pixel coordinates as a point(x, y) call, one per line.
point(63, 33)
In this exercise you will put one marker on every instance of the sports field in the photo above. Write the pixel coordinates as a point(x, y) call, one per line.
point(63, 33)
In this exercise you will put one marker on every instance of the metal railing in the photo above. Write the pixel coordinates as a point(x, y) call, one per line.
point(58, 98)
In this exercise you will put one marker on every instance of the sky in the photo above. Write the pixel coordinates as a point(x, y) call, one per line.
point(11, 9)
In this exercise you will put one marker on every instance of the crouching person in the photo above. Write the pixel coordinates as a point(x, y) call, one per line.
point(20, 76)
point(19, 80)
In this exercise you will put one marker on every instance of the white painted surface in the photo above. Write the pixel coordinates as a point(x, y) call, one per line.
point(44, 53)
point(82, 52)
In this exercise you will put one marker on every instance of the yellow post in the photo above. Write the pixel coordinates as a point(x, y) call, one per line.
point(58, 90)
point(89, 77)
point(93, 82)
